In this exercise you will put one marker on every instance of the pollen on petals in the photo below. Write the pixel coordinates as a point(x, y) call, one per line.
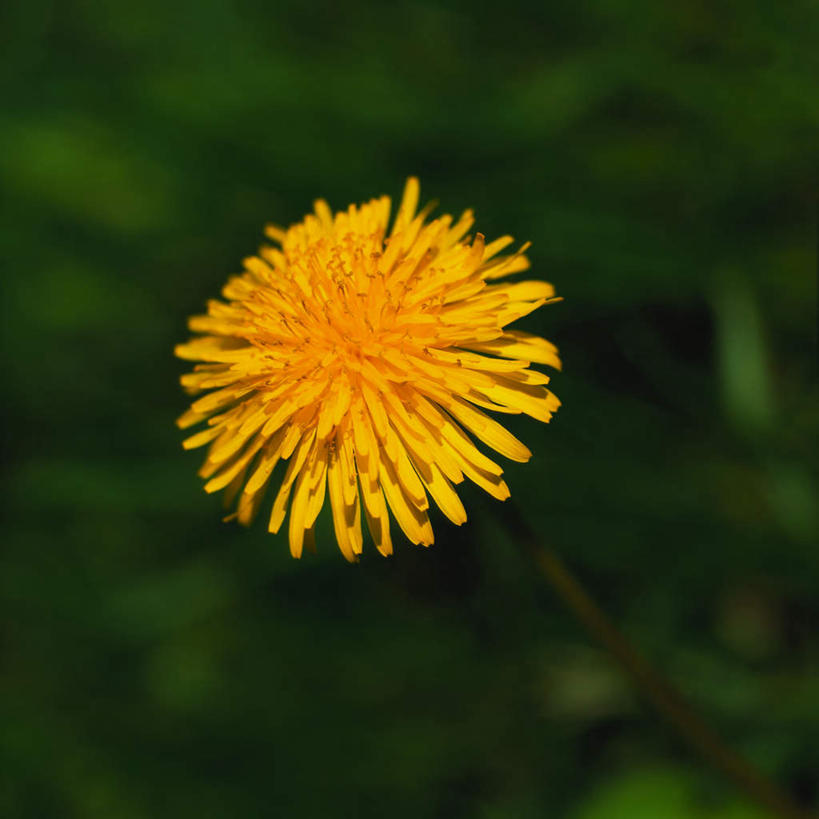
point(367, 356)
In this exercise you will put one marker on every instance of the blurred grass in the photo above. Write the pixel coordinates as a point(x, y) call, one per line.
point(662, 159)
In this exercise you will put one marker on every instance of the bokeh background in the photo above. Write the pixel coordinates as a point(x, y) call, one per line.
point(662, 158)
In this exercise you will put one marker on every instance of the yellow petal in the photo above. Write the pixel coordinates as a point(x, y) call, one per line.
point(515, 344)
point(489, 431)
point(221, 398)
point(360, 433)
point(375, 507)
point(249, 505)
point(318, 485)
point(266, 464)
point(445, 496)
point(227, 474)
point(298, 513)
point(413, 521)
point(275, 232)
point(525, 291)
point(408, 206)
point(376, 409)
point(335, 486)
point(456, 438)
point(293, 468)
point(201, 438)
point(493, 484)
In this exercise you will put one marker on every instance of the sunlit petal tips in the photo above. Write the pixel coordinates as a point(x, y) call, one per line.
point(366, 356)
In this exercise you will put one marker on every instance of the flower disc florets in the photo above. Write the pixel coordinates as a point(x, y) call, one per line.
point(361, 358)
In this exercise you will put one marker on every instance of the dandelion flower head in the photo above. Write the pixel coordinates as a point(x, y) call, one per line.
point(366, 356)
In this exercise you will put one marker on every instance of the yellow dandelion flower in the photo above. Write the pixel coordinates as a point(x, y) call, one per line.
point(363, 356)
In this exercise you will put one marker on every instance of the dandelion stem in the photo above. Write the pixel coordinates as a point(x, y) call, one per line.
point(655, 688)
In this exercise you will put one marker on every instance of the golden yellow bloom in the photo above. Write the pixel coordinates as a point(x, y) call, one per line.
point(361, 357)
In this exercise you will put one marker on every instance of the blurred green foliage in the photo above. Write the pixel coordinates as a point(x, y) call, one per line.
point(662, 158)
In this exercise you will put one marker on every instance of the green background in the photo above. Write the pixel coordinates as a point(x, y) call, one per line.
point(661, 156)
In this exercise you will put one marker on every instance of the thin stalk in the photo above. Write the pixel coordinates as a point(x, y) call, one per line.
point(654, 687)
